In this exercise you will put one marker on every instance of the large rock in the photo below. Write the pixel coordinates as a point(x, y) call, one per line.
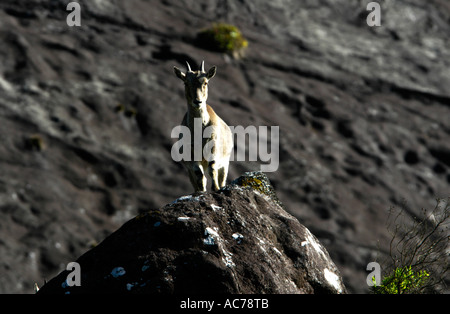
point(238, 240)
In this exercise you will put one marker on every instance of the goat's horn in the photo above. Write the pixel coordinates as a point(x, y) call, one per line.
point(203, 66)
point(188, 67)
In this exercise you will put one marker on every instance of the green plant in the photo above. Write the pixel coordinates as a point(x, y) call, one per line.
point(418, 251)
point(128, 112)
point(119, 108)
point(403, 280)
point(222, 37)
point(258, 181)
point(35, 142)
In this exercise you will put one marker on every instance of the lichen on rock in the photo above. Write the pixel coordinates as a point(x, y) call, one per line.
point(259, 182)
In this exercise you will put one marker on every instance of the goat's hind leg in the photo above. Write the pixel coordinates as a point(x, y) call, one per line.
point(222, 176)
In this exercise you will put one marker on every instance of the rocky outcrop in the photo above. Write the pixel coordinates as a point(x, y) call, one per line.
point(237, 240)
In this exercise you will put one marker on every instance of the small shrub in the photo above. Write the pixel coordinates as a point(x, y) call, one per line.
point(128, 112)
point(222, 37)
point(418, 252)
point(119, 108)
point(35, 143)
point(260, 182)
point(403, 280)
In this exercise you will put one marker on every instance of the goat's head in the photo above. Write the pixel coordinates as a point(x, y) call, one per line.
point(196, 83)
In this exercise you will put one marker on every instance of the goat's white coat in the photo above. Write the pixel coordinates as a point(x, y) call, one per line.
point(220, 140)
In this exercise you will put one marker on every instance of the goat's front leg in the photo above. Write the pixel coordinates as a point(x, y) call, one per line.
point(197, 177)
point(214, 174)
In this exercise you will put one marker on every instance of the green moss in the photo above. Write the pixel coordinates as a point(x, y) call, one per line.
point(222, 37)
point(257, 181)
point(119, 108)
point(254, 183)
point(35, 142)
point(130, 113)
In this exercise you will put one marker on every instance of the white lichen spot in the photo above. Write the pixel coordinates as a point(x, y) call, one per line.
point(209, 241)
point(239, 218)
point(117, 272)
point(216, 208)
point(212, 235)
point(262, 244)
point(211, 231)
point(183, 218)
point(277, 251)
point(227, 260)
point(332, 279)
point(214, 238)
point(238, 237)
point(14, 196)
point(183, 198)
point(313, 242)
point(292, 284)
point(188, 198)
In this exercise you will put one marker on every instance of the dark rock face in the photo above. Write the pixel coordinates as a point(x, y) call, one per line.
point(237, 240)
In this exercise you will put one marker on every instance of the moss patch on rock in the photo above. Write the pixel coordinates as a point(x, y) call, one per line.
point(258, 181)
point(222, 37)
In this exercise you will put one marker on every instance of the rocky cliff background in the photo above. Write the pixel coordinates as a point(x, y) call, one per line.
point(86, 115)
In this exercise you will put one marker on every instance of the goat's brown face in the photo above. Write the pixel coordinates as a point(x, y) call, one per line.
point(196, 85)
point(196, 88)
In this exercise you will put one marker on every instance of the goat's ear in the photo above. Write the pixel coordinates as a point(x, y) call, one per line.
point(179, 74)
point(211, 72)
